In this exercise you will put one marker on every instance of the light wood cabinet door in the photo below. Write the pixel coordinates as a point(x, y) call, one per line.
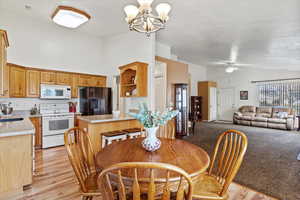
point(17, 81)
point(33, 81)
point(48, 77)
point(84, 80)
point(74, 86)
point(4, 71)
point(98, 81)
point(36, 121)
point(63, 78)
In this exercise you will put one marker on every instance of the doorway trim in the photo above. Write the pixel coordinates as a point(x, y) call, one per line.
point(219, 103)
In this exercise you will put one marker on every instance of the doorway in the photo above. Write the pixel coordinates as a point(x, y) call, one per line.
point(226, 103)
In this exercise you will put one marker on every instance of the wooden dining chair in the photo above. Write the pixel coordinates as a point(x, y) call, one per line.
point(226, 161)
point(168, 130)
point(142, 183)
point(80, 153)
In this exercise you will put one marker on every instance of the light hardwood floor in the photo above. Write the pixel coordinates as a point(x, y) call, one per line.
point(54, 180)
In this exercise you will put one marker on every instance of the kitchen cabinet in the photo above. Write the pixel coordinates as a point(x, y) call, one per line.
point(33, 81)
point(16, 157)
point(25, 82)
point(4, 71)
point(134, 80)
point(74, 85)
point(63, 78)
point(17, 81)
point(36, 121)
point(48, 77)
point(98, 81)
point(84, 80)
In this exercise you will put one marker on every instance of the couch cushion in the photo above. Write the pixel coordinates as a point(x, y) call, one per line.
point(251, 109)
point(280, 115)
point(260, 119)
point(263, 111)
point(249, 114)
point(277, 120)
point(248, 118)
point(275, 111)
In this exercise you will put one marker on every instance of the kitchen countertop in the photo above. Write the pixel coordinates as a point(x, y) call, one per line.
point(104, 118)
point(23, 127)
point(25, 113)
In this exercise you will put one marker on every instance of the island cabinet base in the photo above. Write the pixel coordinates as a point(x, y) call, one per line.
point(95, 129)
point(15, 163)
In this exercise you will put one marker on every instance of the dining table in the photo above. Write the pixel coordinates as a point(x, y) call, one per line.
point(191, 158)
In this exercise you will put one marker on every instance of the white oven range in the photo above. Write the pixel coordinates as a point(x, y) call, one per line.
point(56, 119)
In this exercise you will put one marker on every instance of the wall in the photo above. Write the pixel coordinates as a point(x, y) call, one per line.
point(127, 48)
point(197, 73)
point(241, 80)
point(162, 50)
point(35, 43)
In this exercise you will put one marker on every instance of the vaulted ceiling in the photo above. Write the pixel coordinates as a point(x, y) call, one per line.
point(266, 33)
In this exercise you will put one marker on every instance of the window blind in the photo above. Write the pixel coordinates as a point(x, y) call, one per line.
point(283, 93)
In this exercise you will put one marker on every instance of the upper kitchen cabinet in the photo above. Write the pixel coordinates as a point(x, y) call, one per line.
point(84, 80)
point(74, 86)
point(33, 81)
point(63, 78)
point(48, 77)
point(91, 81)
point(98, 81)
point(134, 80)
point(17, 81)
point(4, 70)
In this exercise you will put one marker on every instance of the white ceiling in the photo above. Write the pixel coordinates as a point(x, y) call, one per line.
point(266, 32)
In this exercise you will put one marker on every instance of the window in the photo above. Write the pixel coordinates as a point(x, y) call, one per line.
point(285, 93)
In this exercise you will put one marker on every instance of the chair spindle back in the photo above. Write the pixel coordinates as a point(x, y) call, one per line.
point(228, 156)
point(80, 153)
point(135, 187)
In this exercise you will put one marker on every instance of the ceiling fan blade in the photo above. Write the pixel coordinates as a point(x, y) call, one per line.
point(242, 64)
point(234, 53)
point(219, 63)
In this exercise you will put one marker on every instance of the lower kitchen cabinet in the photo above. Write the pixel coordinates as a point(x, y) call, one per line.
point(36, 121)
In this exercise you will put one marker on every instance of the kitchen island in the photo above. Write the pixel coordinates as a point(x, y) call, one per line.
point(16, 155)
point(95, 125)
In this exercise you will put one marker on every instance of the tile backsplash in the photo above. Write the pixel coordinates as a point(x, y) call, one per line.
point(28, 103)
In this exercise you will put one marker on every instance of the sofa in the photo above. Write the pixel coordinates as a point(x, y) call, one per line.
point(267, 117)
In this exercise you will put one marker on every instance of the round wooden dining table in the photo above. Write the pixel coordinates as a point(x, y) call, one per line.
point(191, 158)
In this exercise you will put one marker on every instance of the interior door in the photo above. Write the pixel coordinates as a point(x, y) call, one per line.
point(212, 104)
point(226, 104)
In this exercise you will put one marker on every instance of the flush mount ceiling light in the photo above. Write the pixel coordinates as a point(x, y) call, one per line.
point(143, 20)
point(69, 17)
point(231, 69)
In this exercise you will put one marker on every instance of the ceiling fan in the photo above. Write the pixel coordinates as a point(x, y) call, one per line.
point(231, 65)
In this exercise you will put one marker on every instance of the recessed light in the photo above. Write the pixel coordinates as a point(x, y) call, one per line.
point(69, 17)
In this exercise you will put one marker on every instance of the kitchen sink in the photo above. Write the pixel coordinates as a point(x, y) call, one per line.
point(11, 119)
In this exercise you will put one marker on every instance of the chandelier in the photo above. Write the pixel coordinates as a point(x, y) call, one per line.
point(143, 20)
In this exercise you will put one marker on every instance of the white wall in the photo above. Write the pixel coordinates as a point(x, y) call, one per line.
point(162, 50)
point(35, 43)
point(241, 80)
point(127, 48)
point(197, 73)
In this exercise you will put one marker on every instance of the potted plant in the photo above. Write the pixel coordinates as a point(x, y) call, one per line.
point(151, 120)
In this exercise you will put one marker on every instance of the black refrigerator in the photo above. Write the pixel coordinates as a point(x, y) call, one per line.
point(95, 100)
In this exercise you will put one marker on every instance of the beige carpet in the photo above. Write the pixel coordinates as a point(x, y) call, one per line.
point(270, 165)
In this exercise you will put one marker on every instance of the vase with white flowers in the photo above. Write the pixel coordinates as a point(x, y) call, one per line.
point(151, 120)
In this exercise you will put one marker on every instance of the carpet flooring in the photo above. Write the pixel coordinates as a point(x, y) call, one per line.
point(270, 165)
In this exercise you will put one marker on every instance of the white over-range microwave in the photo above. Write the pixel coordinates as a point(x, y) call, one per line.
point(55, 91)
